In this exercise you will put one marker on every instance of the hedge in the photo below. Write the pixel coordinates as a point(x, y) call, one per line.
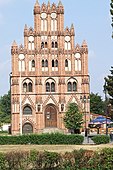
point(42, 139)
point(101, 139)
point(76, 160)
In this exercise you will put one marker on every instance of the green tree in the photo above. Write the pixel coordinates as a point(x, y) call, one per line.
point(108, 87)
point(111, 11)
point(97, 105)
point(73, 118)
point(5, 108)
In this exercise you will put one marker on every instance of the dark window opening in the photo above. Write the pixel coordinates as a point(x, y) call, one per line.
point(33, 63)
point(52, 45)
point(66, 63)
point(42, 63)
point(52, 63)
point(27, 110)
point(56, 45)
point(74, 86)
point(25, 87)
point(42, 45)
point(45, 44)
point(47, 87)
point(46, 63)
point(52, 87)
point(69, 86)
point(30, 87)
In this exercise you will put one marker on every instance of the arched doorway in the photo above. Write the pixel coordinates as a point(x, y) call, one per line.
point(50, 116)
point(27, 128)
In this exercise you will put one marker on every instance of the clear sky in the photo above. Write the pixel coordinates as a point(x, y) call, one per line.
point(92, 22)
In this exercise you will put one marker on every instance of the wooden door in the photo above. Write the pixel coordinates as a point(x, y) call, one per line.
point(50, 116)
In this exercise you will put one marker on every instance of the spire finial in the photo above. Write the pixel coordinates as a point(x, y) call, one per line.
point(84, 43)
point(37, 3)
point(59, 3)
point(49, 2)
point(72, 25)
point(14, 43)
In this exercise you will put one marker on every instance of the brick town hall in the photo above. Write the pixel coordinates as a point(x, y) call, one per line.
point(48, 72)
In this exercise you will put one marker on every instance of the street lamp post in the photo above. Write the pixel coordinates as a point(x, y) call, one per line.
point(84, 100)
point(21, 58)
point(20, 102)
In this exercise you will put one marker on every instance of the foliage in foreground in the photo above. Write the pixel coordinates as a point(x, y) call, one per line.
point(42, 139)
point(76, 160)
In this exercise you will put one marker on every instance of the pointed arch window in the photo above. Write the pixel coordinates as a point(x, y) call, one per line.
point(53, 63)
point(33, 63)
point(25, 87)
point(46, 63)
point(45, 44)
point(52, 45)
point(56, 45)
point(30, 87)
point(42, 63)
point(66, 63)
point(56, 63)
point(47, 87)
point(42, 45)
point(52, 87)
point(74, 86)
point(69, 86)
point(27, 110)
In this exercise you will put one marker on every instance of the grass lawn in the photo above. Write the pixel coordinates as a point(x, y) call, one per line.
point(52, 148)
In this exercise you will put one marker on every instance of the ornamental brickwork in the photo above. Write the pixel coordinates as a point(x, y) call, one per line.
point(48, 72)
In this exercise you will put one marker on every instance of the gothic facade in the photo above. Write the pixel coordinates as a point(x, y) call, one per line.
point(48, 72)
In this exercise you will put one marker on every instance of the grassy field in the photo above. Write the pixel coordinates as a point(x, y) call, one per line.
point(52, 148)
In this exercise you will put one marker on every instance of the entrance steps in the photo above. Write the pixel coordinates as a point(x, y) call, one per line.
point(52, 130)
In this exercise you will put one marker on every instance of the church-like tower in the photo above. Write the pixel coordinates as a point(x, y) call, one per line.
point(48, 73)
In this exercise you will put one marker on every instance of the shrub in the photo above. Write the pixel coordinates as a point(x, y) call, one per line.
point(42, 139)
point(102, 160)
point(2, 161)
point(76, 160)
point(17, 160)
point(99, 139)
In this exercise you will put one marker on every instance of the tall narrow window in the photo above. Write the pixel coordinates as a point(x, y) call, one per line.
point(52, 44)
point(53, 63)
point(42, 63)
point(66, 63)
point(30, 87)
point(25, 87)
point(69, 86)
point(47, 87)
point(74, 86)
point(52, 87)
point(56, 63)
point(45, 44)
point(46, 63)
point(33, 63)
point(42, 45)
point(56, 45)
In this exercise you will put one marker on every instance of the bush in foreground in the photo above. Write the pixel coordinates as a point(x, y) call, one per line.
point(76, 160)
